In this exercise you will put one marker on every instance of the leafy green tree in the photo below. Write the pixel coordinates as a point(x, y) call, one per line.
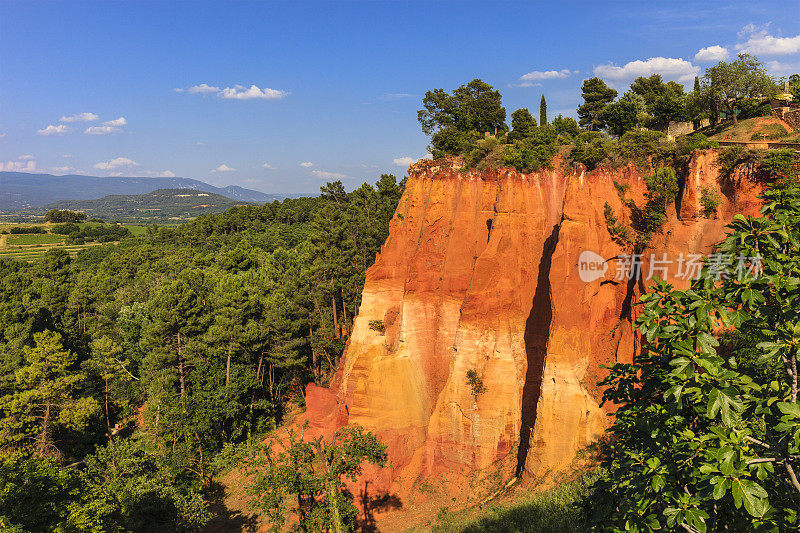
point(148, 490)
point(592, 148)
point(456, 120)
point(533, 152)
point(653, 87)
point(64, 216)
point(314, 472)
point(46, 398)
point(567, 126)
point(698, 103)
point(707, 436)
point(522, 124)
point(596, 96)
point(623, 115)
point(732, 83)
point(542, 112)
point(39, 495)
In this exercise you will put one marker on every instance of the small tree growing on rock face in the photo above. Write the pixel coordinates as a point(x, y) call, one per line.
point(475, 383)
point(314, 472)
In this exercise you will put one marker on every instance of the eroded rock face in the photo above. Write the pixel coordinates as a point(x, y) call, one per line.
point(480, 272)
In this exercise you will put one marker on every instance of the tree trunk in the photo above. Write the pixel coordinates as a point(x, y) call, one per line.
point(180, 367)
point(228, 364)
point(344, 316)
point(335, 317)
point(314, 355)
point(733, 114)
point(108, 418)
point(45, 428)
point(338, 526)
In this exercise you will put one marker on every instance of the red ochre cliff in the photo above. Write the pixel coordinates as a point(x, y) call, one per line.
point(480, 272)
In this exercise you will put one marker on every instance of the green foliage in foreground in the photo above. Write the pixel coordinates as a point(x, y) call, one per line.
point(313, 473)
point(707, 438)
point(553, 511)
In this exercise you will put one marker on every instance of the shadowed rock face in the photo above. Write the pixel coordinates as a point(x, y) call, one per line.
point(480, 272)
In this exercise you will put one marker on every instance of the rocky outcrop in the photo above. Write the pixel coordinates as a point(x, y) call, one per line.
point(481, 272)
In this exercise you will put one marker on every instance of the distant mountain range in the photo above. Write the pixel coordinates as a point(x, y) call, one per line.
point(20, 190)
point(161, 204)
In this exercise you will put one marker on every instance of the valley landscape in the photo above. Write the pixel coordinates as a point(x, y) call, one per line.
point(577, 319)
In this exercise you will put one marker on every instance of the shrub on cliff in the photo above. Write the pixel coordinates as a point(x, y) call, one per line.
point(706, 436)
point(534, 152)
point(686, 144)
point(592, 148)
point(566, 127)
point(645, 147)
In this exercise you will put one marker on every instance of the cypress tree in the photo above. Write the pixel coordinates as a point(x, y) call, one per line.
point(696, 85)
point(542, 112)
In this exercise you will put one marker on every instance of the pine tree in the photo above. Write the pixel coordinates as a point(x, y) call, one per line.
point(542, 112)
point(596, 95)
point(45, 398)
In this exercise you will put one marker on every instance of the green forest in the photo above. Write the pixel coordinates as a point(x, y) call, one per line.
point(126, 370)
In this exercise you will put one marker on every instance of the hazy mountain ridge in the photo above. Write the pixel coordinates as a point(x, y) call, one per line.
point(158, 204)
point(21, 190)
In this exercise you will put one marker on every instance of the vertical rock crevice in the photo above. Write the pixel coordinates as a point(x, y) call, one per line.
point(537, 333)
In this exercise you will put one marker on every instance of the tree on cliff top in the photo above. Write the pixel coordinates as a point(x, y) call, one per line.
point(314, 472)
point(522, 124)
point(543, 111)
point(456, 120)
point(596, 96)
point(707, 433)
point(744, 77)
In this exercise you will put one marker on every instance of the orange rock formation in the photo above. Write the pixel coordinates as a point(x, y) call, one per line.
point(480, 272)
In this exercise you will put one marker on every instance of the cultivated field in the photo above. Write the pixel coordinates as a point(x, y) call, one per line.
point(28, 247)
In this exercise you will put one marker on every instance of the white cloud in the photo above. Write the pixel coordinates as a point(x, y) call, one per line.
point(166, 174)
point(53, 130)
point(712, 54)
point(328, 175)
point(2, 135)
point(117, 123)
point(224, 168)
point(118, 162)
point(199, 89)
point(394, 96)
point(63, 170)
point(670, 68)
point(237, 92)
point(753, 28)
point(67, 155)
point(268, 166)
point(80, 117)
point(101, 130)
point(538, 75)
point(533, 78)
point(306, 164)
point(18, 166)
point(26, 157)
point(403, 161)
point(252, 180)
point(761, 43)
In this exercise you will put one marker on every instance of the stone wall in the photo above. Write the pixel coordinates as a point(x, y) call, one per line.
point(679, 128)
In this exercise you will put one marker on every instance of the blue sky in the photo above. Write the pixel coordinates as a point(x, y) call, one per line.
point(323, 91)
